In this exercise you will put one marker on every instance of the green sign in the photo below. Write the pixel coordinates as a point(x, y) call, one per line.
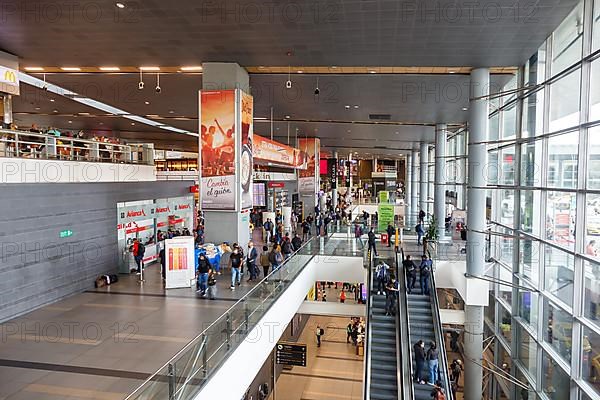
point(386, 216)
point(384, 197)
point(65, 234)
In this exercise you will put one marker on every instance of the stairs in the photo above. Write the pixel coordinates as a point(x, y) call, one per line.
point(384, 378)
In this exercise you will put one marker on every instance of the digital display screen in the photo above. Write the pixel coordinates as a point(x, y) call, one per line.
point(259, 195)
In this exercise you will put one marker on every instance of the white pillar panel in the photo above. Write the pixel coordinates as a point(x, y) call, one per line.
point(424, 158)
point(439, 198)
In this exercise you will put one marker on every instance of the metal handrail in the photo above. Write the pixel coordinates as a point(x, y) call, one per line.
point(19, 144)
point(369, 335)
point(224, 317)
point(404, 361)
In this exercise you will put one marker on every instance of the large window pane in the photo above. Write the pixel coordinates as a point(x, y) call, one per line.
point(509, 121)
point(567, 41)
point(592, 293)
point(507, 207)
point(558, 269)
point(531, 158)
point(562, 160)
point(533, 114)
point(528, 307)
point(565, 101)
point(505, 324)
point(596, 27)
point(558, 328)
point(591, 355)
point(593, 179)
point(555, 382)
point(530, 211)
point(592, 226)
point(529, 257)
point(595, 93)
point(494, 128)
point(507, 167)
point(526, 349)
point(560, 218)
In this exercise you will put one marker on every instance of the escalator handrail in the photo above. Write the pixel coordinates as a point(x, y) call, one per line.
point(439, 334)
point(368, 337)
point(404, 363)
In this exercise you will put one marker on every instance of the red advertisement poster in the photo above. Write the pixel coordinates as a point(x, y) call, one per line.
point(217, 149)
point(308, 178)
point(246, 161)
point(277, 153)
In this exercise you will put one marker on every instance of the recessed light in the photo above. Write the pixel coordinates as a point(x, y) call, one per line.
point(347, 107)
point(333, 66)
point(372, 71)
point(107, 69)
point(52, 100)
point(84, 113)
point(356, 106)
point(37, 108)
point(34, 69)
point(464, 108)
point(120, 5)
point(171, 112)
point(287, 117)
point(150, 68)
point(397, 133)
point(133, 123)
point(451, 72)
point(55, 111)
point(71, 69)
point(147, 103)
point(101, 123)
point(192, 68)
point(348, 131)
point(300, 71)
point(70, 122)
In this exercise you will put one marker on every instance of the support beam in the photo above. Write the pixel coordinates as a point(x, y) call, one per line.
point(424, 160)
point(439, 198)
point(478, 134)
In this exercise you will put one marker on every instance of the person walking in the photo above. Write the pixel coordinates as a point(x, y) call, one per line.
point(202, 274)
point(381, 274)
point(276, 257)
point(319, 333)
point(343, 296)
point(212, 285)
point(264, 261)
point(286, 247)
point(268, 225)
point(372, 240)
point(432, 362)
point(296, 242)
point(419, 352)
point(420, 232)
point(421, 216)
point(251, 261)
point(235, 262)
point(390, 232)
point(305, 230)
point(425, 270)
point(411, 273)
point(391, 292)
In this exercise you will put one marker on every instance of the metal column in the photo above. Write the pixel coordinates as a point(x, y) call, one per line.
point(439, 198)
point(414, 180)
point(408, 191)
point(430, 180)
point(350, 173)
point(476, 223)
point(424, 160)
point(7, 116)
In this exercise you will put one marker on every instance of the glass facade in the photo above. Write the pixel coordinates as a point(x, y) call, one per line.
point(544, 209)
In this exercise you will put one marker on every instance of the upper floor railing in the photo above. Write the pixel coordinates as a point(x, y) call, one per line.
point(23, 144)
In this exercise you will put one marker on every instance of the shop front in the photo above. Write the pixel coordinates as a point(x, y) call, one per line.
point(151, 221)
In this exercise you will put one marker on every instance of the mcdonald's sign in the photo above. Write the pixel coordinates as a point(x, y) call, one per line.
point(9, 80)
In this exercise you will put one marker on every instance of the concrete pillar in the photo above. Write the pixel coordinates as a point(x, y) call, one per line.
point(430, 179)
point(439, 198)
point(7, 115)
point(408, 191)
point(414, 179)
point(424, 160)
point(350, 175)
point(334, 190)
point(476, 223)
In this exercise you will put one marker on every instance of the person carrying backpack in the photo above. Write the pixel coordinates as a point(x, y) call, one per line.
point(425, 267)
point(381, 274)
point(286, 247)
point(320, 332)
point(138, 250)
point(411, 273)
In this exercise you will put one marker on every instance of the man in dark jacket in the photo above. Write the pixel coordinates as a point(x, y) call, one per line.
point(372, 240)
point(411, 273)
point(202, 274)
point(286, 246)
point(251, 261)
point(235, 261)
point(419, 353)
point(296, 242)
point(390, 231)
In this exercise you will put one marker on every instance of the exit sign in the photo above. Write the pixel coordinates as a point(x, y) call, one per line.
point(65, 234)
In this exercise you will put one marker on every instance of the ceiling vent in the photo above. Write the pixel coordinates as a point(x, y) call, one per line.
point(380, 117)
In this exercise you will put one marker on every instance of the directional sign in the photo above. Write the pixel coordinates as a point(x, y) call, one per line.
point(65, 234)
point(291, 354)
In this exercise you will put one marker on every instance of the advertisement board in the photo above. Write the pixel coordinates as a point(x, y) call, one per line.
point(308, 178)
point(9, 80)
point(246, 157)
point(218, 149)
point(386, 216)
point(180, 264)
point(277, 153)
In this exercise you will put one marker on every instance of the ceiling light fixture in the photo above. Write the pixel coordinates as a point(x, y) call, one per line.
point(149, 68)
point(37, 108)
point(192, 68)
point(71, 69)
point(120, 5)
point(287, 117)
point(109, 69)
point(347, 107)
point(451, 72)
point(70, 122)
point(372, 71)
point(52, 100)
point(147, 103)
point(33, 69)
point(171, 111)
point(300, 71)
point(356, 106)
point(464, 108)
point(133, 124)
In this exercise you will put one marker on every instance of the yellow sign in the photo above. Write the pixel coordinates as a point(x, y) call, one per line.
point(10, 76)
point(9, 80)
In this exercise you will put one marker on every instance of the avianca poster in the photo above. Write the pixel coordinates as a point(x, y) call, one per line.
point(246, 161)
point(308, 179)
point(217, 149)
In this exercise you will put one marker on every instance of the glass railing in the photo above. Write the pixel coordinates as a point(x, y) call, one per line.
point(22, 144)
point(183, 376)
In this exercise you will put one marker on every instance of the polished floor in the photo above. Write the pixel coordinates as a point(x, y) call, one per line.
point(333, 371)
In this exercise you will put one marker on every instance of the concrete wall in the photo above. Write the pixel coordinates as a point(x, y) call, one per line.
point(37, 267)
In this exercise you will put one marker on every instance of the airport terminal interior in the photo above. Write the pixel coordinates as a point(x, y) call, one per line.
point(300, 200)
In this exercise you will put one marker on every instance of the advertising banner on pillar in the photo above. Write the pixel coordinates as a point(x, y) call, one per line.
point(308, 178)
point(180, 265)
point(270, 151)
point(385, 216)
point(218, 149)
point(246, 159)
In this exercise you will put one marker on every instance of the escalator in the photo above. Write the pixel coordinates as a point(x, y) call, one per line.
point(424, 323)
